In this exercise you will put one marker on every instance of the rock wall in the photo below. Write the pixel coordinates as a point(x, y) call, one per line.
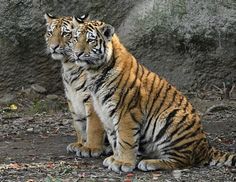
point(23, 59)
point(190, 42)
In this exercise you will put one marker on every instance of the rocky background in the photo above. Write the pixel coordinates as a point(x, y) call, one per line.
point(190, 42)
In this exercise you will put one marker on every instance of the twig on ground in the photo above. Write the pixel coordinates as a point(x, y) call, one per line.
point(216, 108)
point(231, 91)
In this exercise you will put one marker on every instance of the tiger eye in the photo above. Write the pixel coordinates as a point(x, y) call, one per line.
point(91, 40)
point(49, 33)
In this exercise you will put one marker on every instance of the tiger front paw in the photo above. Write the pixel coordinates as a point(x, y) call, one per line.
point(74, 147)
point(118, 166)
point(145, 165)
point(89, 152)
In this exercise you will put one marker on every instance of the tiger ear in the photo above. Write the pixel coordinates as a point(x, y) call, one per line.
point(84, 18)
point(48, 17)
point(80, 19)
point(108, 31)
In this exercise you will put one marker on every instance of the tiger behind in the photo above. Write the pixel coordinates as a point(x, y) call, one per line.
point(142, 113)
point(89, 129)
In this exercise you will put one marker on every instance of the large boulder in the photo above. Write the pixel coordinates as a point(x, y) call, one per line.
point(191, 43)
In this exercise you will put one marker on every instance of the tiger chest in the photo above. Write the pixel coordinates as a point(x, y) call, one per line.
point(75, 97)
point(103, 112)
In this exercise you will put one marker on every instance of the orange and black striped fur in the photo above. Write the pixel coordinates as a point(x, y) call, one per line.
point(89, 129)
point(142, 113)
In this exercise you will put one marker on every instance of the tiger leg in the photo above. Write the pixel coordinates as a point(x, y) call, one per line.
point(79, 124)
point(94, 145)
point(126, 145)
point(159, 164)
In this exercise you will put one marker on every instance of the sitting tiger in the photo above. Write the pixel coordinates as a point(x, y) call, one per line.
point(89, 129)
point(142, 113)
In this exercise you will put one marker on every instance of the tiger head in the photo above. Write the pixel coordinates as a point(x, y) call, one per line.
point(58, 36)
point(92, 45)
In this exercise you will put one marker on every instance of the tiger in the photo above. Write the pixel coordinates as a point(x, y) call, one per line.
point(89, 129)
point(150, 124)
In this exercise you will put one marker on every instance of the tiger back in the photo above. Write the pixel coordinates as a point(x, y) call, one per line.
point(142, 113)
point(89, 129)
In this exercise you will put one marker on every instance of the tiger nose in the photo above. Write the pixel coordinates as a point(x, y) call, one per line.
point(54, 47)
point(78, 54)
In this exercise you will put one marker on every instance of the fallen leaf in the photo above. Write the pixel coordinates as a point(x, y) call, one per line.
point(43, 136)
point(13, 107)
point(227, 141)
point(155, 176)
point(14, 166)
point(82, 175)
point(130, 175)
point(50, 165)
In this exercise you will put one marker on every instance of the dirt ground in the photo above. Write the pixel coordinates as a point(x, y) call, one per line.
point(34, 134)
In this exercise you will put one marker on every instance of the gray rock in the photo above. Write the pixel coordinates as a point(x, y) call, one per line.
point(5, 126)
point(39, 89)
point(18, 122)
point(52, 97)
point(30, 130)
point(29, 118)
point(7, 99)
point(65, 121)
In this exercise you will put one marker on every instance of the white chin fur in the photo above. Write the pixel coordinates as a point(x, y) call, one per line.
point(57, 56)
point(82, 64)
